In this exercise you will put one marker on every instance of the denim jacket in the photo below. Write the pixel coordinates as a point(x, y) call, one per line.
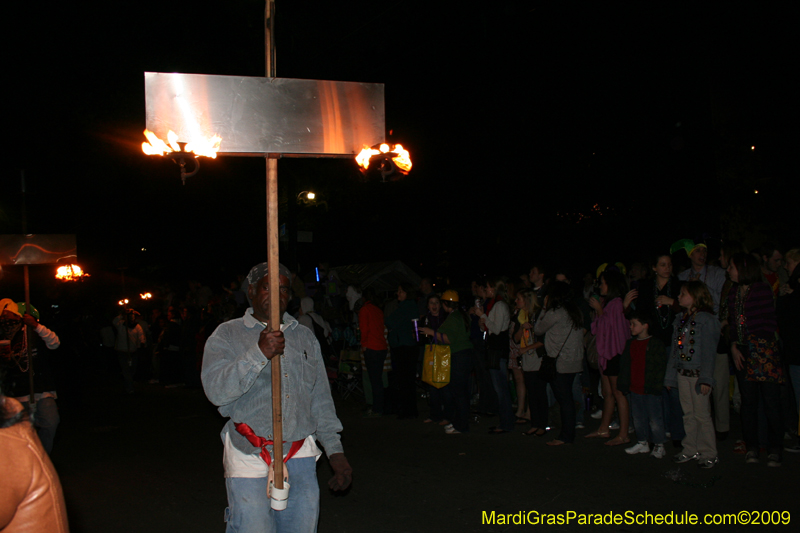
point(237, 378)
point(707, 337)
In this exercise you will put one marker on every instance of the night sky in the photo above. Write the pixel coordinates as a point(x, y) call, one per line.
point(520, 117)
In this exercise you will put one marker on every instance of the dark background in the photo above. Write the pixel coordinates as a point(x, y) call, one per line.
point(521, 117)
point(573, 134)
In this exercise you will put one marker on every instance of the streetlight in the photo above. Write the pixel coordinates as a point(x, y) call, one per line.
point(306, 197)
point(310, 198)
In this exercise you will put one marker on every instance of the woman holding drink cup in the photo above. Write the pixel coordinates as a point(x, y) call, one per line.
point(439, 400)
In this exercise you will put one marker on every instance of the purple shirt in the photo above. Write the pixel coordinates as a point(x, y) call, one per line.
point(613, 330)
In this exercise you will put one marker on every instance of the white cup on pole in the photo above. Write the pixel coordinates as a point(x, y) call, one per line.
point(278, 497)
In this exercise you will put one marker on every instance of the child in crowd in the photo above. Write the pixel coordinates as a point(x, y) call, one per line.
point(691, 369)
point(643, 364)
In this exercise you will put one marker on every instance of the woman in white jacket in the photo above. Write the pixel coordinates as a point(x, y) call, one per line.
point(496, 321)
point(561, 324)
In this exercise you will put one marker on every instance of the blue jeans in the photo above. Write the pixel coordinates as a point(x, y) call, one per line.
point(487, 398)
point(440, 402)
point(461, 365)
point(374, 360)
point(249, 509)
point(794, 374)
point(500, 384)
point(562, 390)
point(537, 399)
point(404, 367)
point(672, 413)
point(648, 418)
point(45, 420)
point(577, 396)
point(127, 364)
point(754, 392)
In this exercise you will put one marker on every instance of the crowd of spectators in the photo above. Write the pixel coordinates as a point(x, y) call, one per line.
point(656, 352)
point(651, 351)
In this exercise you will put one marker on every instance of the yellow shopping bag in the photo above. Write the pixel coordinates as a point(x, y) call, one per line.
point(436, 365)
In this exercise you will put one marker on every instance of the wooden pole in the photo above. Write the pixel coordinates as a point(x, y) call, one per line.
point(28, 332)
point(269, 37)
point(273, 260)
point(29, 340)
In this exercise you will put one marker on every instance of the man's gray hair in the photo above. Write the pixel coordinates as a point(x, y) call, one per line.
point(257, 273)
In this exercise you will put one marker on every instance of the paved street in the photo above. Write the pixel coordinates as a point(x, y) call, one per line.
point(152, 462)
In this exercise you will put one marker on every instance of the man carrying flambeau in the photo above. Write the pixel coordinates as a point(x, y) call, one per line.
point(237, 377)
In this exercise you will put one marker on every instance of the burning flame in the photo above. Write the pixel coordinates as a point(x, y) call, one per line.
point(124, 301)
point(363, 157)
point(401, 158)
point(205, 147)
point(70, 273)
point(201, 147)
point(172, 139)
point(156, 146)
point(146, 295)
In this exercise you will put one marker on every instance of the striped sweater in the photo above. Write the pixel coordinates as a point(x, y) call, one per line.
point(759, 313)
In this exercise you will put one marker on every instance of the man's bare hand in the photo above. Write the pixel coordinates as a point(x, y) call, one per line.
point(664, 300)
point(629, 298)
point(342, 473)
point(29, 320)
point(738, 358)
point(271, 343)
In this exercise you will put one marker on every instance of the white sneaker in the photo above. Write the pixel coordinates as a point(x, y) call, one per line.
point(597, 415)
point(639, 447)
point(580, 425)
point(658, 451)
point(450, 430)
point(707, 463)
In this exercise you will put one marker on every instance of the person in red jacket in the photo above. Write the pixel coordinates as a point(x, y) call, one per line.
point(374, 348)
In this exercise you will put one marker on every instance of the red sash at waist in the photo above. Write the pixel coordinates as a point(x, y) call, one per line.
point(261, 442)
